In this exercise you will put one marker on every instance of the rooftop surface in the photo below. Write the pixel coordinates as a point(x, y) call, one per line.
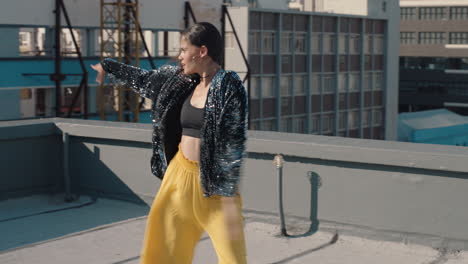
point(111, 231)
point(374, 201)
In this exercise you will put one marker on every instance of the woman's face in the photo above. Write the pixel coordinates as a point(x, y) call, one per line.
point(189, 56)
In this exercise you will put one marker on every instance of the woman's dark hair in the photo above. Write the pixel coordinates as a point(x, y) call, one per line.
point(206, 34)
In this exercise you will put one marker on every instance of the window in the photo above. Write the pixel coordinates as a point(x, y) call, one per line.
point(459, 12)
point(343, 44)
point(286, 42)
point(314, 124)
point(316, 43)
point(431, 37)
point(316, 83)
point(355, 44)
point(269, 125)
point(458, 38)
point(365, 118)
point(286, 124)
point(254, 42)
point(368, 44)
point(367, 81)
point(342, 100)
point(432, 13)
point(268, 87)
point(300, 43)
point(328, 123)
point(342, 120)
point(329, 43)
point(31, 41)
point(299, 124)
point(354, 80)
point(378, 44)
point(254, 88)
point(408, 13)
point(299, 85)
point(353, 119)
point(367, 62)
point(68, 47)
point(44, 102)
point(407, 37)
point(254, 125)
point(378, 80)
point(268, 42)
point(286, 105)
point(285, 86)
point(377, 117)
point(328, 83)
point(342, 82)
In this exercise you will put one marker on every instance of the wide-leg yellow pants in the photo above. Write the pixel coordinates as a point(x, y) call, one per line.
point(179, 215)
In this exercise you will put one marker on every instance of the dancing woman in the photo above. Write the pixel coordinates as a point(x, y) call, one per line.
point(199, 132)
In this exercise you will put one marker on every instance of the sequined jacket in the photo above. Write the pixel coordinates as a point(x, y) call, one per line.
point(223, 134)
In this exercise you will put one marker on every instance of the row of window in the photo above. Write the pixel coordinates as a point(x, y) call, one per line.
point(433, 38)
point(33, 42)
point(321, 83)
point(434, 88)
point(321, 43)
point(347, 120)
point(434, 13)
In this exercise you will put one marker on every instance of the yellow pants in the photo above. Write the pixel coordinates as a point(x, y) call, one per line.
point(179, 215)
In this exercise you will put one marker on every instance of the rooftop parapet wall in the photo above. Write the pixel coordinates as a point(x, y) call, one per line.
point(410, 191)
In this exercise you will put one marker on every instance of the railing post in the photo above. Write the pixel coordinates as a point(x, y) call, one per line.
point(279, 161)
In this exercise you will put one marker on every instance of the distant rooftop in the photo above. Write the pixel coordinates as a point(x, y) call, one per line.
point(432, 119)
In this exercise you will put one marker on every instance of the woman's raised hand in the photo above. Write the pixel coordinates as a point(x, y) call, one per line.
point(100, 76)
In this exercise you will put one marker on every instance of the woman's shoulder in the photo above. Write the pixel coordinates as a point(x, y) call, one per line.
point(231, 76)
point(232, 82)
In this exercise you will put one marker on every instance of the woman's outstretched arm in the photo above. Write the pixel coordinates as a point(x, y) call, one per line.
point(146, 83)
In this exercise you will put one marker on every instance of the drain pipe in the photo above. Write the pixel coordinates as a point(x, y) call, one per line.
point(279, 161)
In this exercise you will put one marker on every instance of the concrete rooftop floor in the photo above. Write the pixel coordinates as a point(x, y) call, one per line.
point(42, 229)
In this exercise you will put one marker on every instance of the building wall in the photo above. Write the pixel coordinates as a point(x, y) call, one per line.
point(433, 39)
point(414, 22)
point(388, 9)
point(10, 42)
point(287, 73)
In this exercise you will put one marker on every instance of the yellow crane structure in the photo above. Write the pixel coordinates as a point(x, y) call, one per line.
point(119, 39)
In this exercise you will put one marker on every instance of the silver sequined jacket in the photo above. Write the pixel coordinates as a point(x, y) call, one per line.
point(223, 133)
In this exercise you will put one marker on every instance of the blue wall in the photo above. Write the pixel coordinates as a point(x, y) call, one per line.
point(12, 70)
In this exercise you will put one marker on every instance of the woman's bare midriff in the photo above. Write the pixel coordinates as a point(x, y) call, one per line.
point(190, 147)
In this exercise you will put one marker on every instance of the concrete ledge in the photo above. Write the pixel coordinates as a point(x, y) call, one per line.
point(412, 190)
point(392, 153)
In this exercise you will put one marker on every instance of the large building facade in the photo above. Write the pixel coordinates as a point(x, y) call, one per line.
point(320, 73)
point(434, 55)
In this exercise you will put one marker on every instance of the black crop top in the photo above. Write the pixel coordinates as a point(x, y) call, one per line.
point(191, 118)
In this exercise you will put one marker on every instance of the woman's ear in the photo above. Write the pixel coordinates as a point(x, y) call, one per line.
point(203, 51)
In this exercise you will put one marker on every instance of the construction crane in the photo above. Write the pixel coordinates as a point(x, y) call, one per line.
point(119, 38)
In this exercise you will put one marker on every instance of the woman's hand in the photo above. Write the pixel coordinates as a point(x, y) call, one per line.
point(100, 72)
point(232, 218)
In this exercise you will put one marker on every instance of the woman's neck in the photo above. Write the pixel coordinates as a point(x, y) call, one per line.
point(207, 73)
